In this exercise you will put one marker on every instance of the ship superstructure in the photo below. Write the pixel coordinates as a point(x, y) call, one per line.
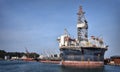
point(81, 51)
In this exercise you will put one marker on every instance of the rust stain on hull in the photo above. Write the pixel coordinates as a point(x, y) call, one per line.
point(83, 64)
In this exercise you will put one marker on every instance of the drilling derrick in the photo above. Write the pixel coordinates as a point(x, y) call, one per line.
point(82, 26)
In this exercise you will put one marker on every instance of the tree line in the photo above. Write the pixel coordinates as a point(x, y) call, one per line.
point(17, 54)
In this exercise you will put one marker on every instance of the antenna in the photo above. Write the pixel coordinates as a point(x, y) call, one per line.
point(66, 32)
point(27, 52)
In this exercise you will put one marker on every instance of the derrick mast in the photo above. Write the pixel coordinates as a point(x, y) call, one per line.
point(82, 26)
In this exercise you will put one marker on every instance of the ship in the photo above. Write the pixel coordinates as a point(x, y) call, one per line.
point(81, 51)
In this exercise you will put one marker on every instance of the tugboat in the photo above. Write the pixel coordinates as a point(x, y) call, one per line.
point(81, 51)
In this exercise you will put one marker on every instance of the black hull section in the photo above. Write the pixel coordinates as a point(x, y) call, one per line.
point(83, 54)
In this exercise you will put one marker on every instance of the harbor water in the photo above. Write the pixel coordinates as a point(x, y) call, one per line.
point(22, 66)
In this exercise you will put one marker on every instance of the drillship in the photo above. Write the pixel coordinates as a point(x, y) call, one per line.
point(81, 51)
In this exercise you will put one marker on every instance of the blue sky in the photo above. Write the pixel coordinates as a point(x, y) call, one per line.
point(36, 24)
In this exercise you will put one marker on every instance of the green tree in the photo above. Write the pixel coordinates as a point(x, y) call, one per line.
point(2, 54)
point(33, 55)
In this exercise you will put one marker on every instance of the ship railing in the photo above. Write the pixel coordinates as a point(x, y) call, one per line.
point(102, 47)
point(78, 47)
point(71, 47)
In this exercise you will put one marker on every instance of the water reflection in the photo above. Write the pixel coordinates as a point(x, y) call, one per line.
point(71, 69)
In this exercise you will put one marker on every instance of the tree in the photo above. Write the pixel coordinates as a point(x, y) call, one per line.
point(2, 54)
point(33, 55)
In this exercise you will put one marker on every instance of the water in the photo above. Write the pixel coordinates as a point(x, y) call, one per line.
point(21, 66)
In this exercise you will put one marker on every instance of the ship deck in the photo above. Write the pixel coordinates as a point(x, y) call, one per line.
point(79, 47)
